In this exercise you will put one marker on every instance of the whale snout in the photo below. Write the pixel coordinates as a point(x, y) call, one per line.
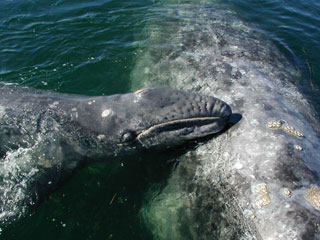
point(178, 116)
point(175, 104)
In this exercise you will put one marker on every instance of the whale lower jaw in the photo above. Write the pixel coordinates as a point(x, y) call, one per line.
point(204, 126)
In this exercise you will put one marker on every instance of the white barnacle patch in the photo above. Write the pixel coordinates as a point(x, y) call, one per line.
point(136, 99)
point(313, 196)
point(106, 113)
point(263, 198)
point(101, 136)
point(287, 192)
point(254, 122)
point(146, 70)
point(54, 104)
point(74, 112)
point(238, 166)
point(93, 101)
point(247, 213)
point(2, 111)
point(138, 95)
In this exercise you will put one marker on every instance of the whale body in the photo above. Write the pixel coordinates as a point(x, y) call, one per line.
point(45, 136)
point(260, 180)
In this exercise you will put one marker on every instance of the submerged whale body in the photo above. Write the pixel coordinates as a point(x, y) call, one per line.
point(260, 180)
point(45, 136)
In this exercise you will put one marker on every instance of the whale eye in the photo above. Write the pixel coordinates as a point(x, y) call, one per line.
point(128, 136)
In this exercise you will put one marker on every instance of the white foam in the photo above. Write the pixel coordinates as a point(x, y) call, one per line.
point(18, 170)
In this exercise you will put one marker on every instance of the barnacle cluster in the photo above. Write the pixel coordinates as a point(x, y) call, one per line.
point(282, 126)
point(263, 196)
point(287, 192)
point(313, 196)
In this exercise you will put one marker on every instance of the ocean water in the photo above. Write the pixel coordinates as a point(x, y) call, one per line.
point(94, 48)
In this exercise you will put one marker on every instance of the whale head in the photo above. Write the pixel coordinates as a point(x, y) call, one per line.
point(158, 118)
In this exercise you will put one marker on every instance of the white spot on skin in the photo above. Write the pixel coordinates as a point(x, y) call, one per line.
point(54, 104)
point(253, 149)
point(101, 136)
point(75, 111)
point(2, 111)
point(146, 70)
point(254, 122)
point(137, 96)
point(238, 166)
point(106, 113)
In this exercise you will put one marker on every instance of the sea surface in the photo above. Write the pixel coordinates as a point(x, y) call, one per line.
point(92, 47)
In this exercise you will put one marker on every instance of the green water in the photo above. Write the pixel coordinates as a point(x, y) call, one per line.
point(102, 201)
point(294, 27)
point(91, 47)
point(72, 47)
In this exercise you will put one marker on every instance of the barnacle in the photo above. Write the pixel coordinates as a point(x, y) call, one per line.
point(263, 196)
point(281, 126)
point(313, 196)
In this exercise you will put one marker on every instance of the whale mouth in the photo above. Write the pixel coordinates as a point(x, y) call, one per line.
point(182, 129)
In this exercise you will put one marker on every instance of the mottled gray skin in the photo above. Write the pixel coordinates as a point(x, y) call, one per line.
point(45, 136)
point(212, 194)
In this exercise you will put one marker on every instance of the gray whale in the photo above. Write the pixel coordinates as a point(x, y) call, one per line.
point(261, 179)
point(45, 136)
